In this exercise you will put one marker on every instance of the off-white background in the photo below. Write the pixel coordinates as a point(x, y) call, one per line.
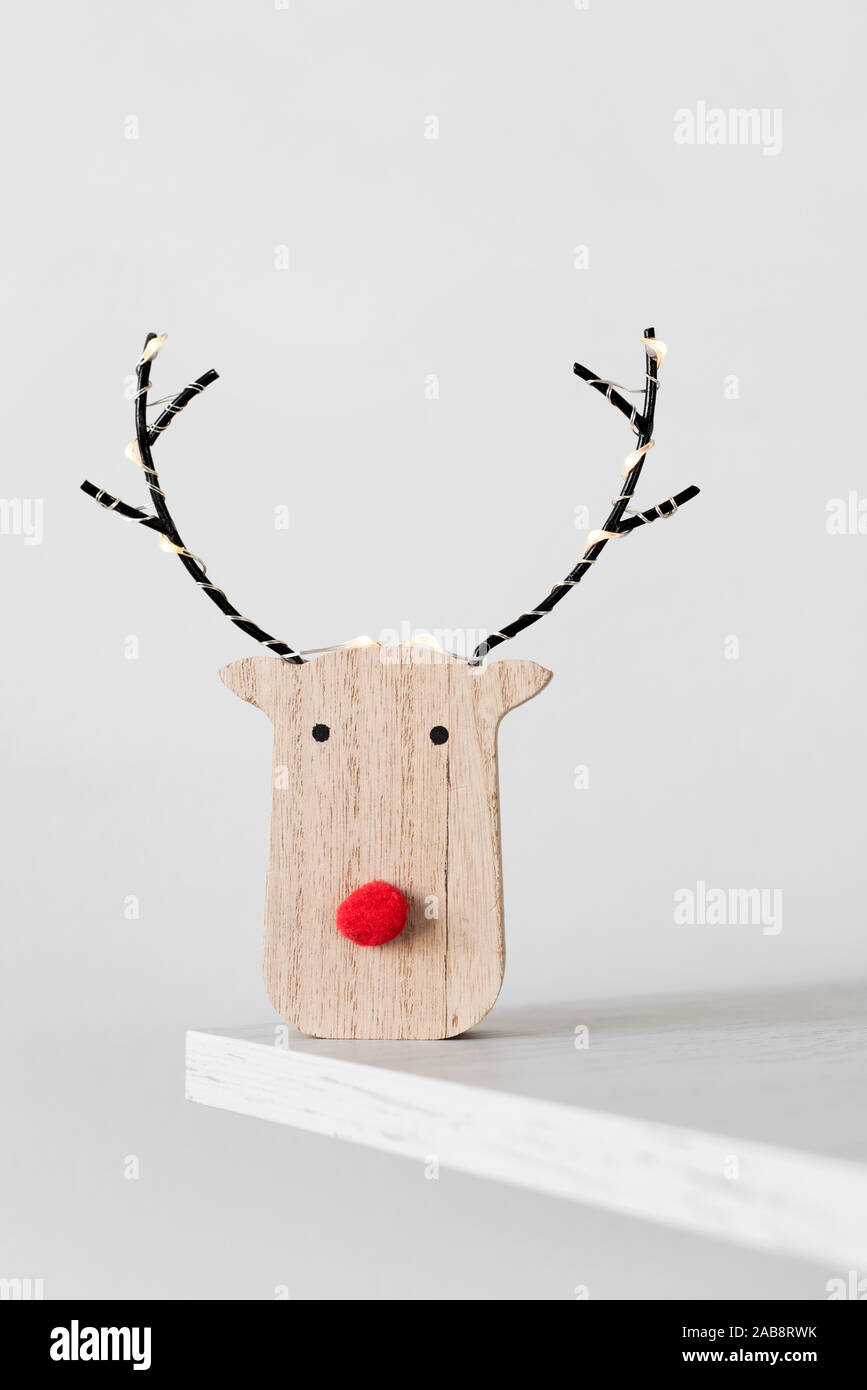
point(262, 127)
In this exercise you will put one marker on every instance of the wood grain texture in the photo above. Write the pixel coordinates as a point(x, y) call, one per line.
point(739, 1117)
point(379, 800)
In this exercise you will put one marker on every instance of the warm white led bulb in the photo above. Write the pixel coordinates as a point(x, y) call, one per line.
point(169, 546)
point(635, 457)
point(153, 347)
point(133, 453)
point(425, 639)
point(594, 537)
point(657, 349)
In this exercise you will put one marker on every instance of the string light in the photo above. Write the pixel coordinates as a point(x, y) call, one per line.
point(603, 381)
point(594, 537)
point(635, 457)
point(642, 425)
point(656, 348)
point(214, 593)
point(152, 348)
point(171, 549)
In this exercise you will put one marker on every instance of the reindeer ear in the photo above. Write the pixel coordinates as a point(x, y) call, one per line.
point(505, 684)
point(258, 680)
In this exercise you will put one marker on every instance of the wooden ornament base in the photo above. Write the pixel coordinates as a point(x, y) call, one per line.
point(377, 798)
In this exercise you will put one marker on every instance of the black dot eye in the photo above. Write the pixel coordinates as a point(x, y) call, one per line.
point(321, 732)
point(438, 734)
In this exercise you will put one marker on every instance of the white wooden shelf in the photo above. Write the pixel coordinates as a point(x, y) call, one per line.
point(738, 1118)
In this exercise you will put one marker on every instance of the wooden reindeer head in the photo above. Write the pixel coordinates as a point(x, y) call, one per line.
point(384, 773)
point(384, 911)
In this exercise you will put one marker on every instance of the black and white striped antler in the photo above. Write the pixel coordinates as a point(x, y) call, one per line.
point(161, 519)
point(615, 524)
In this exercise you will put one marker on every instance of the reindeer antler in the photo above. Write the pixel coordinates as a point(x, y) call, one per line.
point(615, 526)
point(161, 520)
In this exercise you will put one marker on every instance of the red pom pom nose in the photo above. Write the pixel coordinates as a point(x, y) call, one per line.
point(373, 914)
